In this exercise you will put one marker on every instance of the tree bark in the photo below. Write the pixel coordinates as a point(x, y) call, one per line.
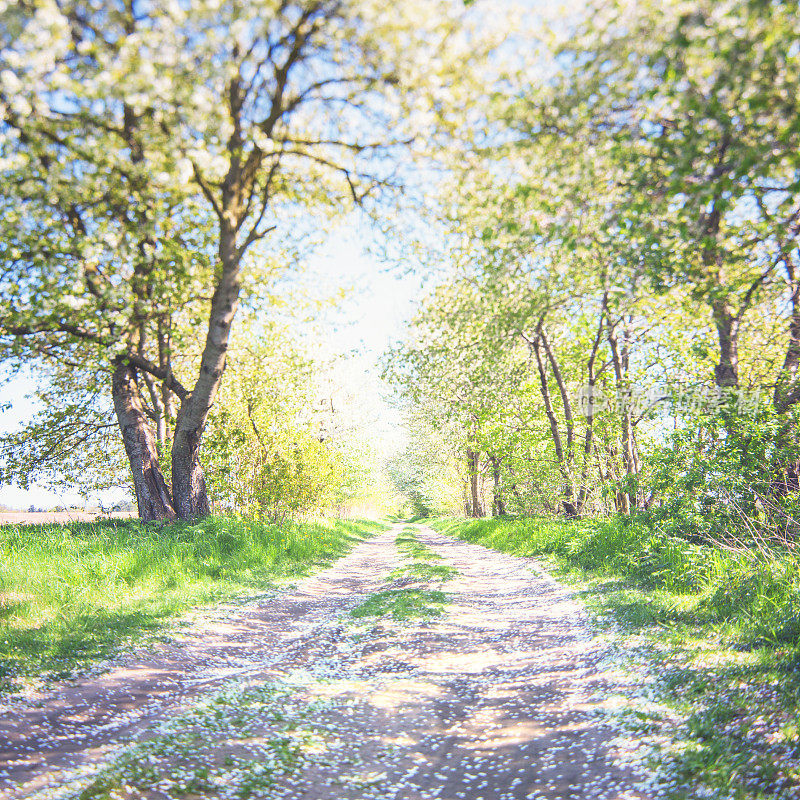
point(568, 502)
point(620, 360)
point(499, 507)
point(787, 389)
point(588, 439)
point(726, 372)
point(473, 464)
point(152, 493)
point(569, 419)
point(188, 480)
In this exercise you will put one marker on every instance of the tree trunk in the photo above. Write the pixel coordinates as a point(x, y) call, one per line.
point(188, 481)
point(473, 463)
point(787, 389)
point(152, 493)
point(159, 412)
point(726, 372)
point(726, 321)
point(498, 506)
point(620, 359)
point(588, 439)
point(568, 502)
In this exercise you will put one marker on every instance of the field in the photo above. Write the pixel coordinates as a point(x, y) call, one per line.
point(47, 517)
point(72, 594)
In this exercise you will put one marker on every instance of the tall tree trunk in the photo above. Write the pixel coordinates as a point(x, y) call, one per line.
point(473, 465)
point(498, 506)
point(588, 439)
point(620, 360)
point(787, 388)
point(152, 493)
point(787, 391)
point(726, 372)
point(188, 480)
point(568, 501)
point(726, 320)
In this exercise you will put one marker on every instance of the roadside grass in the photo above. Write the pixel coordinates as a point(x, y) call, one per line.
point(719, 632)
point(72, 594)
point(417, 601)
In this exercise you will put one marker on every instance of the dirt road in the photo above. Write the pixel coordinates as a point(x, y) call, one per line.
point(503, 696)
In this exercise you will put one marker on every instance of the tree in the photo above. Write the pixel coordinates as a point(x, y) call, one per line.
point(148, 151)
point(698, 105)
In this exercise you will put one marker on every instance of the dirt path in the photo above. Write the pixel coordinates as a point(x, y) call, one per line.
point(500, 698)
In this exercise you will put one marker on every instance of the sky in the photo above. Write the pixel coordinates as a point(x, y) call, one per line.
point(377, 304)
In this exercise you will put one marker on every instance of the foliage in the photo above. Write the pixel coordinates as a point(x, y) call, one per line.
point(624, 247)
point(72, 594)
point(423, 473)
point(728, 478)
point(148, 154)
point(273, 448)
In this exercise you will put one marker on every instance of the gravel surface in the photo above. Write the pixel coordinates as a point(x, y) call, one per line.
point(506, 695)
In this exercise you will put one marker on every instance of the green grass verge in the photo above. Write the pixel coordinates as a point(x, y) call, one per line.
point(719, 632)
point(72, 594)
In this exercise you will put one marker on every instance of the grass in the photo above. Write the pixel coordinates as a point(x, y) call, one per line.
point(402, 604)
point(420, 560)
point(718, 632)
point(752, 600)
point(417, 601)
point(72, 594)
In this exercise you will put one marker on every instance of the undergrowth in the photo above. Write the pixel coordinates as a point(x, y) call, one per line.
point(72, 594)
point(719, 632)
